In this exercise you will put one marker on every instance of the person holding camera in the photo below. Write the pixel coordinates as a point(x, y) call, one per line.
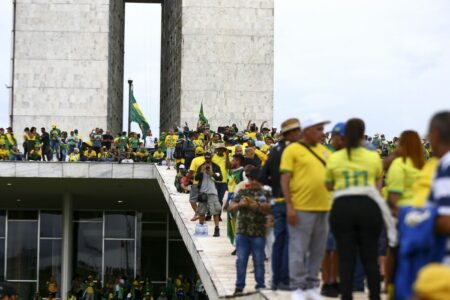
point(208, 174)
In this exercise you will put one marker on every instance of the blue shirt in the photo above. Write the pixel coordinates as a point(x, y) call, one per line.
point(440, 195)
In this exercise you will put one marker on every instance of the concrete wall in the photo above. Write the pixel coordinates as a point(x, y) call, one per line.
point(62, 59)
point(171, 43)
point(226, 62)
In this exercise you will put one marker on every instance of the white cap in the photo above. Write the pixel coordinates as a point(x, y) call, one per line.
point(313, 120)
point(181, 166)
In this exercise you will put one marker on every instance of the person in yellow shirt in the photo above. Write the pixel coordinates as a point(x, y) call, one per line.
point(404, 170)
point(90, 154)
point(171, 142)
point(158, 155)
point(195, 164)
point(307, 204)
point(4, 153)
point(356, 219)
point(222, 159)
point(35, 153)
point(422, 186)
point(75, 155)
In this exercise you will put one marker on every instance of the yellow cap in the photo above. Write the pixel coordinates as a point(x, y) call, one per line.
point(433, 282)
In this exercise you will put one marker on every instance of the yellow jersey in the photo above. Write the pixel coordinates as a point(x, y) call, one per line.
point(221, 162)
point(308, 191)
point(158, 155)
point(195, 164)
point(422, 187)
point(363, 169)
point(400, 179)
point(171, 141)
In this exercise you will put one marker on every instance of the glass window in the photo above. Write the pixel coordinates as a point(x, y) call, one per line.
point(87, 249)
point(51, 224)
point(22, 215)
point(119, 225)
point(154, 216)
point(180, 262)
point(88, 216)
point(153, 251)
point(49, 264)
point(22, 250)
point(119, 259)
point(2, 259)
point(26, 290)
point(2, 223)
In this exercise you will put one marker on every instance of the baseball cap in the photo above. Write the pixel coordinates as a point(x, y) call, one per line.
point(220, 146)
point(7, 289)
point(339, 129)
point(313, 120)
point(432, 282)
point(181, 166)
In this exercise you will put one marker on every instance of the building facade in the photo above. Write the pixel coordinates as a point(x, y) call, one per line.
point(68, 63)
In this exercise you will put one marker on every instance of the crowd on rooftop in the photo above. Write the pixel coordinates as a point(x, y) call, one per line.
point(307, 199)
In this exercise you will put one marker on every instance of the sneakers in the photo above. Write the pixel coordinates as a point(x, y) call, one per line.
point(330, 290)
point(298, 294)
point(238, 292)
point(195, 218)
point(313, 294)
point(216, 231)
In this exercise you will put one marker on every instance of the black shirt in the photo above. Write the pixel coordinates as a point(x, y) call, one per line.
point(270, 173)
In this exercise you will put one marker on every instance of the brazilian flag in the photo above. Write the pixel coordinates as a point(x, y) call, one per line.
point(201, 116)
point(136, 114)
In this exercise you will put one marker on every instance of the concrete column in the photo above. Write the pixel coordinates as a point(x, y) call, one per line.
point(66, 272)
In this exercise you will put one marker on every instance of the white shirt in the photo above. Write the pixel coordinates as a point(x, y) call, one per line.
point(149, 142)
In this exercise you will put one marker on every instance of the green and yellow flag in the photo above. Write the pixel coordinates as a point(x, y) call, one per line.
point(136, 114)
point(201, 115)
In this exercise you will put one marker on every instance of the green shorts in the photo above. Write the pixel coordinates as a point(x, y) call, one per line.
point(212, 205)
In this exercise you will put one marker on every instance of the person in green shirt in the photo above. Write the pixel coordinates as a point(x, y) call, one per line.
point(63, 146)
point(133, 142)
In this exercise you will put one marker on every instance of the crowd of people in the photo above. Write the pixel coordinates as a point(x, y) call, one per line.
point(359, 210)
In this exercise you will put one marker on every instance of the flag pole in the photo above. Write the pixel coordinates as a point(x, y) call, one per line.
point(130, 88)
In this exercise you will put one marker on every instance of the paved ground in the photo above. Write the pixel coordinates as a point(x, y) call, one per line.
point(215, 252)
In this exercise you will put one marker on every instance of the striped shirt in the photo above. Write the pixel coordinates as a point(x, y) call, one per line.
point(440, 194)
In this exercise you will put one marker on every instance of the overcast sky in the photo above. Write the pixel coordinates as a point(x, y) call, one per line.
point(385, 61)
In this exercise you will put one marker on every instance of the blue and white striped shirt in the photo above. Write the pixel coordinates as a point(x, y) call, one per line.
point(440, 194)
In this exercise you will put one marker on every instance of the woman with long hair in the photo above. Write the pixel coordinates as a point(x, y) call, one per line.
point(355, 174)
point(405, 170)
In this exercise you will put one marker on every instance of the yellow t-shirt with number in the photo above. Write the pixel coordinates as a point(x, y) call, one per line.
point(422, 186)
point(400, 179)
point(363, 169)
point(171, 141)
point(308, 191)
point(195, 164)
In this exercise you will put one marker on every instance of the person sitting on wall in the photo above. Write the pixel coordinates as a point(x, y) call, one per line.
point(36, 153)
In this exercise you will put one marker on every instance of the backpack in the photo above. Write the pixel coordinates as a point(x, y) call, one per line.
point(189, 149)
point(179, 151)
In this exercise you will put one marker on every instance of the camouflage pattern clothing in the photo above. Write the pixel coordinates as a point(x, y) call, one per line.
point(252, 222)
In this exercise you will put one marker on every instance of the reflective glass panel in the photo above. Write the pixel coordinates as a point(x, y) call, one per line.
point(49, 264)
point(2, 223)
point(22, 250)
point(153, 251)
point(87, 249)
point(88, 216)
point(26, 290)
point(22, 215)
point(119, 259)
point(180, 262)
point(2, 259)
point(51, 224)
point(119, 225)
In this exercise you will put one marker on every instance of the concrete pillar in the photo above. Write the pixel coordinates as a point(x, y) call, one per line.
point(220, 53)
point(66, 272)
